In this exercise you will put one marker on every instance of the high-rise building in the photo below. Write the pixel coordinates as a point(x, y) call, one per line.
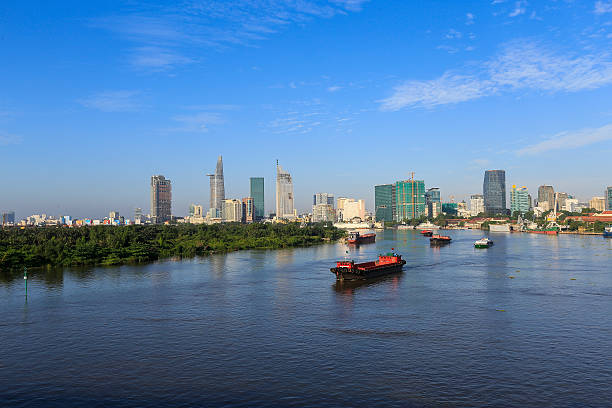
point(8, 217)
point(323, 207)
point(608, 197)
point(546, 194)
point(384, 202)
point(519, 200)
point(433, 206)
point(476, 204)
point(494, 192)
point(248, 209)
point(113, 215)
point(138, 217)
point(597, 203)
point(409, 199)
point(349, 209)
point(217, 189)
point(232, 210)
point(284, 194)
point(161, 199)
point(257, 192)
point(560, 200)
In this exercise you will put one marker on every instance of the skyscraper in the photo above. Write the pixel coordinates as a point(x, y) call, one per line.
point(232, 210)
point(546, 197)
point(409, 199)
point(494, 192)
point(560, 199)
point(384, 202)
point(248, 209)
point(433, 202)
point(519, 200)
point(476, 204)
point(161, 199)
point(217, 189)
point(257, 192)
point(323, 207)
point(608, 196)
point(284, 194)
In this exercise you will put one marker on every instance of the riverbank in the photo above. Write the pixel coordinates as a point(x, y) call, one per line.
point(108, 245)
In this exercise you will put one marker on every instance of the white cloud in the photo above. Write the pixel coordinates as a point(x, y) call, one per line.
point(481, 162)
point(452, 34)
point(113, 101)
point(602, 7)
point(9, 139)
point(520, 65)
point(469, 19)
point(334, 88)
point(198, 122)
point(569, 140)
point(519, 8)
point(157, 58)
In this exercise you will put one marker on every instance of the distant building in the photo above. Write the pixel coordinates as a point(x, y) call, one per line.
point(323, 207)
point(232, 210)
point(248, 209)
point(284, 194)
point(409, 199)
point(494, 192)
point(608, 198)
point(138, 216)
point(546, 194)
point(519, 200)
point(450, 208)
point(217, 189)
point(432, 202)
point(476, 204)
point(161, 199)
point(462, 209)
point(8, 218)
point(560, 200)
point(257, 192)
point(113, 215)
point(598, 203)
point(384, 202)
point(349, 209)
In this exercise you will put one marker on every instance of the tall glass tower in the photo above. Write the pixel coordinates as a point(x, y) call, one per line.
point(257, 193)
point(384, 201)
point(284, 194)
point(494, 192)
point(217, 188)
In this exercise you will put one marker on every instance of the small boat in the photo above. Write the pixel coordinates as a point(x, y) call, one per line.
point(427, 233)
point(438, 239)
point(607, 232)
point(356, 238)
point(545, 231)
point(386, 264)
point(483, 243)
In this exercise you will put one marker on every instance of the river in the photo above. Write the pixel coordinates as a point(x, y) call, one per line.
point(526, 323)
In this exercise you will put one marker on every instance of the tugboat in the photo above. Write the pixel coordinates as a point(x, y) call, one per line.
point(607, 232)
point(437, 240)
point(355, 238)
point(351, 271)
point(483, 243)
point(427, 233)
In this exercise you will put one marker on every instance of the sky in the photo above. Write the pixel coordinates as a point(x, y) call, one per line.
point(97, 96)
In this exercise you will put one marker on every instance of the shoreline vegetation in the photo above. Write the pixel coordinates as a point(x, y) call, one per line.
point(137, 244)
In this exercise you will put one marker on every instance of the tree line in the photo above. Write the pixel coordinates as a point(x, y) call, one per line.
point(108, 245)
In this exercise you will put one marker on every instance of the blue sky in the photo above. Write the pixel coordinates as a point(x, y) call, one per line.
point(95, 97)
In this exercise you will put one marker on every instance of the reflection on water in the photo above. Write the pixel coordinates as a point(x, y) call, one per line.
point(270, 328)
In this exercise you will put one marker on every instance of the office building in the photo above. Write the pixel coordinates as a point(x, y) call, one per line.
point(323, 198)
point(433, 206)
point(323, 207)
point(494, 192)
point(8, 218)
point(232, 210)
point(519, 200)
point(284, 194)
point(546, 194)
point(248, 209)
point(450, 208)
point(384, 202)
point(351, 209)
point(257, 193)
point(608, 197)
point(476, 204)
point(598, 203)
point(217, 189)
point(409, 199)
point(161, 199)
point(560, 200)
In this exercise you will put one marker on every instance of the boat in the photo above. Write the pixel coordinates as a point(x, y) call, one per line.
point(608, 232)
point(483, 243)
point(545, 231)
point(357, 238)
point(427, 233)
point(437, 239)
point(351, 271)
point(427, 226)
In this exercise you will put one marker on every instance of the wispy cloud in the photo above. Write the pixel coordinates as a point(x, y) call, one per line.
point(197, 122)
point(334, 88)
point(169, 36)
point(469, 19)
point(521, 65)
point(602, 7)
point(9, 139)
point(452, 34)
point(113, 101)
point(569, 140)
point(480, 162)
point(519, 8)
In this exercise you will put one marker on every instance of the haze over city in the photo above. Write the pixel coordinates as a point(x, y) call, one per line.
point(346, 94)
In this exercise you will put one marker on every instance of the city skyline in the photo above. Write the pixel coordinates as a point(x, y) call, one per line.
point(518, 86)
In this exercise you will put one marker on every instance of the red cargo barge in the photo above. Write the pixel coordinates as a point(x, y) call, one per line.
point(386, 264)
point(355, 238)
point(437, 240)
